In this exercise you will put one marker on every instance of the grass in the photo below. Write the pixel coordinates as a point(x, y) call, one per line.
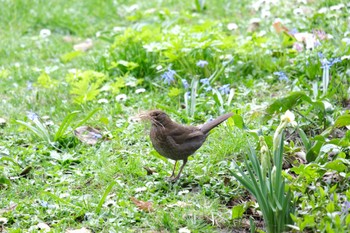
point(72, 185)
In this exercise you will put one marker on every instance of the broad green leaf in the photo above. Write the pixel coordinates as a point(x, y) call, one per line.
point(342, 121)
point(238, 211)
point(238, 120)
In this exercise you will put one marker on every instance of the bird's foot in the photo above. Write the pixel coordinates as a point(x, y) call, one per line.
point(172, 179)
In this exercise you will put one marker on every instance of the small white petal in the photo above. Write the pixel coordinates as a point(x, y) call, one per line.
point(121, 97)
point(232, 26)
point(140, 90)
point(184, 230)
point(102, 101)
point(141, 189)
point(44, 33)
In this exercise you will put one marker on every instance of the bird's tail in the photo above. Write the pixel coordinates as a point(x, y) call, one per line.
point(212, 124)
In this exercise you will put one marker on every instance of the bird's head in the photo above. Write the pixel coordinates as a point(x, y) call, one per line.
point(157, 117)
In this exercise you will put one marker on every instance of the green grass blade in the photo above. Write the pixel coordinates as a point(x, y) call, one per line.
point(87, 117)
point(104, 196)
point(65, 124)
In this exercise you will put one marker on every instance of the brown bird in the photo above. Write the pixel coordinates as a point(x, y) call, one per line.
point(176, 141)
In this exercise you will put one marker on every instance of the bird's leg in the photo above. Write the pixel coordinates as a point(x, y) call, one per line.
point(182, 167)
point(173, 174)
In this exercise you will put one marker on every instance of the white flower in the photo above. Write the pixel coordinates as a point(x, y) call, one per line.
point(44, 33)
point(141, 189)
point(232, 26)
point(121, 97)
point(140, 90)
point(102, 101)
point(289, 117)
point(184, 230)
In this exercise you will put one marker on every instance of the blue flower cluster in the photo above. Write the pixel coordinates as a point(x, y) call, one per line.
point(281, 75)
point(206, 84)
point(168, 76)
point(202, 63)
point(225, 89)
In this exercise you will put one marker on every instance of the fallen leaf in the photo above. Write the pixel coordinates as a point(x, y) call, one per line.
point(143, 205)
point(81, 230)
point(280, 28)
point(88, 134)
point(26, 171)
point(70, 39)
point(83, 46)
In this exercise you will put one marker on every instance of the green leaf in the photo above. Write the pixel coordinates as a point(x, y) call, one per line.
point(295, 98)
point(128, 65)
point(238, 211)
point(104, 196)
point(338, 164)
point(70, 56)
point(238, 120)
point(314, 151)
point(342, 121)
point(45, 81)
point(304, 139)
point(173, 92)
point(67, 121)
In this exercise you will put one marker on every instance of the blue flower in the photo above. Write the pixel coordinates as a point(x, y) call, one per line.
point(346, 207)
point(225, 89)
point(202, 63)
point(205, 81)
point(208, 88)
point(32, 115)
point(185, 83)
point(325, 64)
point(168, 76)
point(29, 86)
point(293, 31)
point(281, 76)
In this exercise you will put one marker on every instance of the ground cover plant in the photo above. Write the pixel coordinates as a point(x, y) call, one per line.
point(74, 75)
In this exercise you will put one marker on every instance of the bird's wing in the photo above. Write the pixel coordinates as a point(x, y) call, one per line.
point(182, 134)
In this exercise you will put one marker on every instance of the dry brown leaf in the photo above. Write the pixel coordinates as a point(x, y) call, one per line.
point(88, 135)
point(143, 205)
point(280, 28)
point(83, 46)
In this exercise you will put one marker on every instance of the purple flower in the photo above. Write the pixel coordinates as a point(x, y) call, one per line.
point(185, 83)
point(29, 86)
point(32, 115)
point(293, 31)
point(281, 76)
point(325, 64)
point(346, 207)
point(208, 88)
point(168, 76)
point(202, 63)
point(225, 89)
point(205, 81)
